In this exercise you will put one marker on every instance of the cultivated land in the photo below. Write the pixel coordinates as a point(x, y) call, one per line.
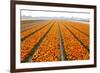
point(54, 40)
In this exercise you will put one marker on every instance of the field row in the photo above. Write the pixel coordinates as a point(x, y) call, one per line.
point(40, 48)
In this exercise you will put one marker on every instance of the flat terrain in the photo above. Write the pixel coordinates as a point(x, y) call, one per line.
point(54, 40)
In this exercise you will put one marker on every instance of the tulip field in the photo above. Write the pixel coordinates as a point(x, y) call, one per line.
point(54, 40)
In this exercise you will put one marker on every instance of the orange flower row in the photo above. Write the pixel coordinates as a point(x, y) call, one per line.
point(49, 49)
point(30, 42)
point(27, 32)
point(84, 27)
point(80, 35)
point(74, 50)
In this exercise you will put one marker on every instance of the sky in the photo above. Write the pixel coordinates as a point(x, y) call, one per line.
point(44, 14)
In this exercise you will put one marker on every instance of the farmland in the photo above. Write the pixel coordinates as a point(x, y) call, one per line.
point(54, 40)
